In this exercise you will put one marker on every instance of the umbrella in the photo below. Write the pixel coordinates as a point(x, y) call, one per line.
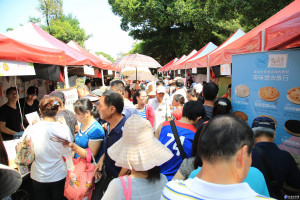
point(127, 71)
point(142, 76)
point(137, 62)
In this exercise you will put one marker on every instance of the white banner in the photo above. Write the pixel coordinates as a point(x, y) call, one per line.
point(110, 72)
point(88, 70)
point(16, 68)
point(179, 72)
point(70, 97)
point(194, 70)
point(226, 69)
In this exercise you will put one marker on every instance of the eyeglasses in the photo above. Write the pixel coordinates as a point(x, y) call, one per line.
point(14, 93)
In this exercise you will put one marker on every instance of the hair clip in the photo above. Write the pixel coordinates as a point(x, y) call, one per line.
point(222, 103)
point(55, 102)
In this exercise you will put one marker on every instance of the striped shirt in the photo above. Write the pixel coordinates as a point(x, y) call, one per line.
point(142, 113)
point(197, 189)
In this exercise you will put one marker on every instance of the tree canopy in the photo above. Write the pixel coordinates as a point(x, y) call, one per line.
point(111, 59)
point(63, 27)
point(172, 28)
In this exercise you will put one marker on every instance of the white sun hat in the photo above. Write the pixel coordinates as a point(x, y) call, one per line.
point(138, 149)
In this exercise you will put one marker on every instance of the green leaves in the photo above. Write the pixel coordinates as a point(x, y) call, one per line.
point(172, 28)
point(63, 27)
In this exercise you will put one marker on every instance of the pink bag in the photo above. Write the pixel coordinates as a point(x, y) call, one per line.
point(127, 193)
point(80, 180)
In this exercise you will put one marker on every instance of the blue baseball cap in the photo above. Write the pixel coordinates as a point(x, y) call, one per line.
point(263, 122)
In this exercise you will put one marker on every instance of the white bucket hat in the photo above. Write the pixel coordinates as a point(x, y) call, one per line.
point(138, 149)
point(10, 180)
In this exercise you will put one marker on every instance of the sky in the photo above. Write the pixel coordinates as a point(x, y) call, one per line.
point(95, 17)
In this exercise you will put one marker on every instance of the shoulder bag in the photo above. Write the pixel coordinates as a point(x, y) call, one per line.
point(176, 136)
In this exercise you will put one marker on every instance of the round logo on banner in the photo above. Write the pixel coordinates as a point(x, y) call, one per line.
point(5, 67)
point(262, 61)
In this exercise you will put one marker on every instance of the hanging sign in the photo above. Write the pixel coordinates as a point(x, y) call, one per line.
point(110, 72)
point(16, 68)
point(194, 70)
point(178, 72)
point(225, 69)
point(88, 70)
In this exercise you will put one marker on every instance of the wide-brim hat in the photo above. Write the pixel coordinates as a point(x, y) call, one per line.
point(10, 180)
point(151, 91)
point(138, 149)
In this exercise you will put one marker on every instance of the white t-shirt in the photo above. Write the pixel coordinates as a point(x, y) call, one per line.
point(199, 189)
point(161, 110)
point(48, 165)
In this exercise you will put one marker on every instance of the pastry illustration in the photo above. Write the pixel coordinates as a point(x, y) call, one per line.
point(242, 91)
point(242, 115)
point(292, 127)
point(293, 95)
point(268, 93)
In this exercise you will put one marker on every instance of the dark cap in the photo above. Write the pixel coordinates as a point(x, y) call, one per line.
point(58, 94)
point(33, 90)
point(263, 122)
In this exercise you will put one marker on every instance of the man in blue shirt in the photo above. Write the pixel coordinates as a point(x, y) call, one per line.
point(110, 109)
point(281, 163)
point(192, 112)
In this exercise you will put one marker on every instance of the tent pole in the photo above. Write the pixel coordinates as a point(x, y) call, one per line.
point(102, 77)
point(208, 74)
point(136, 74)
point(67, 85)
point(263, 40)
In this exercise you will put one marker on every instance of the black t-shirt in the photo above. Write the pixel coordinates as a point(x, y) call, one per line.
point(25, 108)
point(12, 117)
point(70, 119)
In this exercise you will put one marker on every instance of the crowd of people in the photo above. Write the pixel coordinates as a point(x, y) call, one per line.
point(160, 139)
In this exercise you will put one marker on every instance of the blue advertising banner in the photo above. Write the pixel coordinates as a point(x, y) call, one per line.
point(268, 83)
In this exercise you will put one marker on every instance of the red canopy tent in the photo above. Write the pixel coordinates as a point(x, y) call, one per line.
point(100, 63)
point(204, 60)
point(171, 66)
point(13, 50)
point(164, 68)
point(34, 35)
point(209, 47)
point(178, 64)
point(280, 31)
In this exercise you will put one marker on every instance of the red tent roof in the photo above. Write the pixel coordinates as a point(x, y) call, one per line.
point(100, 63)
point(204, 60)
point(281, 31)
point(169, 63)
point(178, 65)
point(32, 34)
point(13, 50)
point(285, 34)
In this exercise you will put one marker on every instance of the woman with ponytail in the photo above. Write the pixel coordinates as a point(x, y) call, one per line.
point(48, 171)
point(91, 133)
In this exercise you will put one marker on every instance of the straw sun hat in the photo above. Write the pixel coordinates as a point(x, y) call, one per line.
point(138, 149)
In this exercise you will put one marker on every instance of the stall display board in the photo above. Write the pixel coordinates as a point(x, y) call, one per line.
point(16, 68)
point(268, 84)
point(70, 97)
